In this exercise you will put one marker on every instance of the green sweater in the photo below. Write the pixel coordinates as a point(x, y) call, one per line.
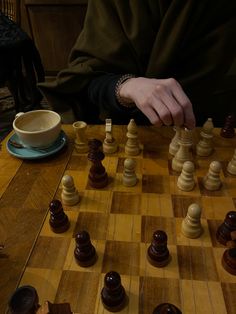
point(193, 41)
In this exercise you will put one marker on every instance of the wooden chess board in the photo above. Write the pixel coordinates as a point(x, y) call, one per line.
point(121, 221)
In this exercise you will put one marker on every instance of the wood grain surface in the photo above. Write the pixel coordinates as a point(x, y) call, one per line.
point(120, 221)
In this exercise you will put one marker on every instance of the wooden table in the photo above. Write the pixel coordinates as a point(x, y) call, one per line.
point(28, 186)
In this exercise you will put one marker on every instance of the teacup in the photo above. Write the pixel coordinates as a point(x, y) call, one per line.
point(38, 128)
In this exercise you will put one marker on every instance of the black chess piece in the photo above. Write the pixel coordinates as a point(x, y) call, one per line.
point(229, 257)
point(228, 130)
point(24, 300)
point(97, 174)
point(85, 253)
point(158, 253)
point(113, 293)
point(58, 221)
point(224, 230)
point(166, 308)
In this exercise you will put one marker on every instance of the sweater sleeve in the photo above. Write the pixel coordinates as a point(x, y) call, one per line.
point(101, 94)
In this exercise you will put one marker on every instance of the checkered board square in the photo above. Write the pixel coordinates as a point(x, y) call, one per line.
point(121, 221)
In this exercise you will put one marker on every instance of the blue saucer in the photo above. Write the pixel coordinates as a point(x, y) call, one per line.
point(30, 153)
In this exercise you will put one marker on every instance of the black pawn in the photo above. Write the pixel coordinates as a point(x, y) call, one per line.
point(85, 253)
point(166, 308)
point(228, 130)
point(24, 300)
point(158, 253)
point(113, 293)
point(224, 230)
point(97, 174)
point(229, 256)
point(58, 221)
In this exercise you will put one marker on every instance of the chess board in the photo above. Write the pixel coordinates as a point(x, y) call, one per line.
point(121, 221)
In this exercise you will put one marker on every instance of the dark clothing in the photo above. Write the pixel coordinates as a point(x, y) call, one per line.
point(192, 41)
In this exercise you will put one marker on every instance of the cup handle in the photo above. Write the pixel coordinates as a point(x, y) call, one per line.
point(19, 114)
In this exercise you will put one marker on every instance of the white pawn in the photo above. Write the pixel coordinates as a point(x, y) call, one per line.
point(184, 153)
point(129, 175)
point(109, 144)
point(69, 195)
point(174, 144)
point(132, 145)
point(191, 225)
point(231, 168)
point(186, 181)
point(212, 181)
point(204, 147)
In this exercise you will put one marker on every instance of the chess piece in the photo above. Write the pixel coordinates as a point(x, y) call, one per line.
point(84, 253)
point(97, 174)
point(166, 308)
point(69, 195)
point(109, 144)
point(204, 147)
point(174, 144)
point(24, 300)
point(132, 145)
point(58, 220)
point(231, 168)
point(186, 181)
point(228, 130)
point(183, 154)
point(81, 142)
point(229, 257)
point(191, 225)
point(129, 175)
point(224, 230)
point(158, 253)
point(212, 181)
point(113, 293)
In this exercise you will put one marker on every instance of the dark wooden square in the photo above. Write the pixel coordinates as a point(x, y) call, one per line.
point(180, 204)
point(94, 223)
point(197, 263)
point(122, 257)
point(126, 203)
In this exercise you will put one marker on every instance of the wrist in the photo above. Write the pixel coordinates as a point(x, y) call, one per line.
point(121, 98)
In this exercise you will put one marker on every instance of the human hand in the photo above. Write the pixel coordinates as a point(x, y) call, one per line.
point(163, 101)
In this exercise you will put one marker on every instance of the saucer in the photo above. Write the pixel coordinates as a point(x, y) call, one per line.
point(31, 153)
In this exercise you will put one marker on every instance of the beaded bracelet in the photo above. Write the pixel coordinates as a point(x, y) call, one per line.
point(121, 100)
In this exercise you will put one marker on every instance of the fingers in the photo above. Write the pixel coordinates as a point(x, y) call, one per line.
point(163, 101)
point(188, 118)
point(153, 117)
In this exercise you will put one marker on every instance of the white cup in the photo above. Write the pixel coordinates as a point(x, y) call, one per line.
point(38, 128)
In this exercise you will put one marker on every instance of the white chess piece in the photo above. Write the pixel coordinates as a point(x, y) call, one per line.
point(186, 181)
point(191, 225)
point(212, 181)
point(109, 144)
point(231, 168)
point(129, 175)
point(69, 195)
point(132, 145)
point(204, 147)
point(183, 154)
point(81, 142)
point(174, 144)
